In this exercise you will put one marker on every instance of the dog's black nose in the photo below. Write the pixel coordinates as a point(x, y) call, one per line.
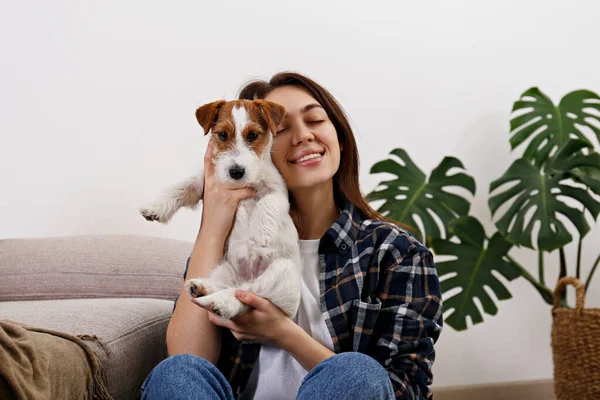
point(236, 172)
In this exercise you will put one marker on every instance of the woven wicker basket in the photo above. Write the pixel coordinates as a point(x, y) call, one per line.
point(575, 346)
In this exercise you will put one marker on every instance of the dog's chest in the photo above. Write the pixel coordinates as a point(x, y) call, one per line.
point(249, 210)
point(244, 213)
point(243, 231)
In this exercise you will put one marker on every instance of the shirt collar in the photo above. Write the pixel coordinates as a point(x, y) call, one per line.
point(344, 231)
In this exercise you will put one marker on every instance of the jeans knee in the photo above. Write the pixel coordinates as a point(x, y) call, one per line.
point(182, 374)
point(360, 368)
point(348, 375)
point(183, 361)
point(177, 365)
point(169, 370)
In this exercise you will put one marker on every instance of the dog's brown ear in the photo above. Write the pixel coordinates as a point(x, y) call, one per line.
point(272, 112)
point(207, 114)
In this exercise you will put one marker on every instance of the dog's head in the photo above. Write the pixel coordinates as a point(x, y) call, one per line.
point(243, 133)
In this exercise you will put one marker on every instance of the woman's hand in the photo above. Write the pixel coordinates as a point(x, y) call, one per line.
point(219, 201)
point(265, 323)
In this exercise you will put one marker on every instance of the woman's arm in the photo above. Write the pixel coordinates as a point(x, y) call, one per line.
point(190, 331)
point(189, 323)
point(267, 324)
point(409, 322)
point(306, 350)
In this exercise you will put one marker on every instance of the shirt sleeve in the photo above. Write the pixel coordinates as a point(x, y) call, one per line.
point(410, 318)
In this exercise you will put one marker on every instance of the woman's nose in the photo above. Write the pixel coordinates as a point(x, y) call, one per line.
point(302, 134)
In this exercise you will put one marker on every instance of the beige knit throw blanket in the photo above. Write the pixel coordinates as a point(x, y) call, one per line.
point(38, 363)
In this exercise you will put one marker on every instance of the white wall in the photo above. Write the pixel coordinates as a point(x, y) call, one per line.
point(97, 105)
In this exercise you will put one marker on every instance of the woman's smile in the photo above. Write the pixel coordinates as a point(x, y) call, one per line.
point(306, 150)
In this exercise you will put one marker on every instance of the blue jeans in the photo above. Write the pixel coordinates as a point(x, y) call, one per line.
point(344, 376)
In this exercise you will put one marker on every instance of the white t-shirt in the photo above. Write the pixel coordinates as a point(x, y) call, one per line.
point(277, 375)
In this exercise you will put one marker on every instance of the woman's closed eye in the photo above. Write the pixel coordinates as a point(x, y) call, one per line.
point(314, 121)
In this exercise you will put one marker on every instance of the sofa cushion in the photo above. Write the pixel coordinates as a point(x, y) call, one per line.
point(94, 266)
point(133, 332)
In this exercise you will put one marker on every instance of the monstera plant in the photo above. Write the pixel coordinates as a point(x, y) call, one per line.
point(557, 175)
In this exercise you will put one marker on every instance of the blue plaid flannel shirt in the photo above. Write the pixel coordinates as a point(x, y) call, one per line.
point(380, 295)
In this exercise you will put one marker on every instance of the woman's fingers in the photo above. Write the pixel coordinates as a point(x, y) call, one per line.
point(209, 167)
point(235, 327)
point(252, 300)
point(220, 199)
point(217, 320)
point(209, 170)
point(243, 193)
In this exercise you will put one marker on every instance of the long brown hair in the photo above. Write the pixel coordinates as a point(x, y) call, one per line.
point(345, 180)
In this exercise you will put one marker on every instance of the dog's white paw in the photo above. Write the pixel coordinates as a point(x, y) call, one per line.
point(198, 287)
point(223, 303)
point(153, 213)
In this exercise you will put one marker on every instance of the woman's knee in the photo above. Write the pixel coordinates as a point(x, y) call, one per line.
point(177, 366)
point(181, 362)
point(358, 367)
point(185, 375)
point(347, 375)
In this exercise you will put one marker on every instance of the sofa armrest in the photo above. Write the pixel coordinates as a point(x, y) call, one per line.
point(92, 266)
point(127, 335)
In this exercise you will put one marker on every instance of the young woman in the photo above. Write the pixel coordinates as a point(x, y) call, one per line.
point(371, 303)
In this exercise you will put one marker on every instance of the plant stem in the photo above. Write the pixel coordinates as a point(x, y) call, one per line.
point(542, 289)
point(563, 263)
point(589, 279)
point(563, 272)
point(578, 268)
point(541, 267)
point(578, 273)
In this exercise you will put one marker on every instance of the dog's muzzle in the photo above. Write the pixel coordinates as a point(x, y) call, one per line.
point(237, 172)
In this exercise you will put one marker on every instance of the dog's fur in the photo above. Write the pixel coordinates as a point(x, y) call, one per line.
point(262, 254)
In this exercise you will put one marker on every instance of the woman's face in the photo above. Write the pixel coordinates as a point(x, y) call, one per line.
point(305, 150)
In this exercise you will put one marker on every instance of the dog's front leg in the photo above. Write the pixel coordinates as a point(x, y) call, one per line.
point(223, 276)
point(185, 194)
point(280, 284)
point(265, 220)
point(218, 292)
point(223, 303)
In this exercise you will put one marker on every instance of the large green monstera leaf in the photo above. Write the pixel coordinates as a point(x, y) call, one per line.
point(538, 194)
point(550, 125)
point(411, 194)
point(472, 270)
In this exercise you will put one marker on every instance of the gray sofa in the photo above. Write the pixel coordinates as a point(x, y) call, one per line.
point(119, 288)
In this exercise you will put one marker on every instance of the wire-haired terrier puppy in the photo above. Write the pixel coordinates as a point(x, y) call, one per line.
point(261, 254)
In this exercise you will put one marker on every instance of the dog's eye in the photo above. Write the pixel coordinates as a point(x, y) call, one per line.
point(252, 136)
point(222, 136)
